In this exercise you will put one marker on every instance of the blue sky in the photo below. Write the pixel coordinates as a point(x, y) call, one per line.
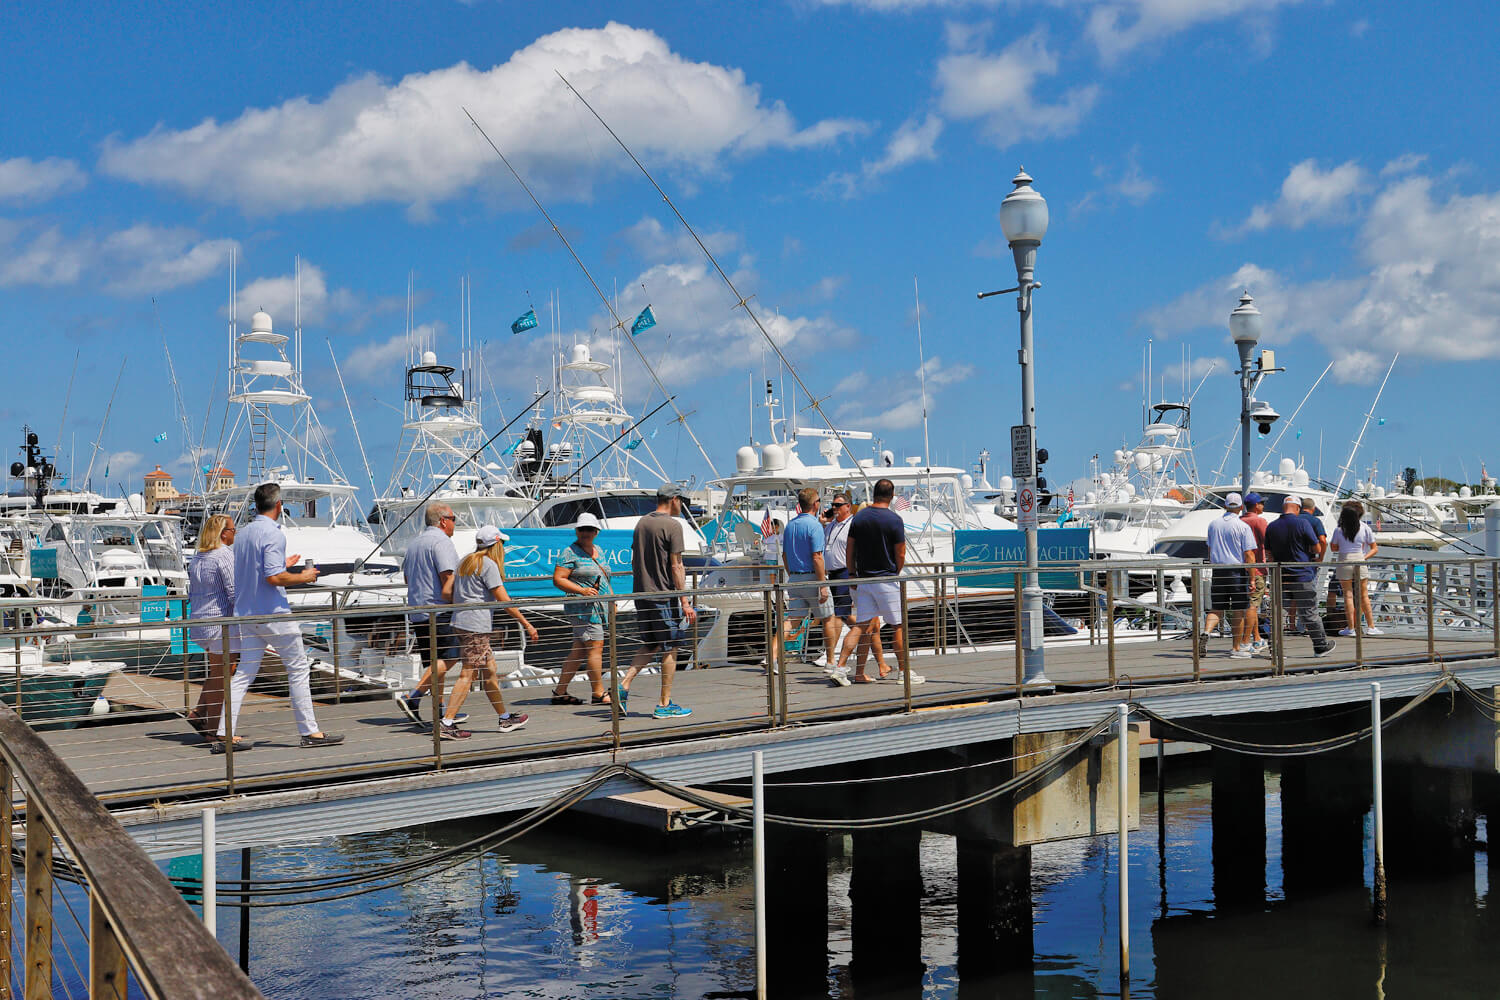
point(1338, 159)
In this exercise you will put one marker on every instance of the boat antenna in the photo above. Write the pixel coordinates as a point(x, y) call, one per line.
point(922, 370)
point(445, 480)
point(182, 414)
point(63, 423)
point(1292, 419)
point(1349, 462)
point(619, 323)
point(740, 300)
point(352, 422)
point(99, 441)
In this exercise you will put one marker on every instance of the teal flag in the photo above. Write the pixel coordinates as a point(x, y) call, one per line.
point(526, 322)
point(645, 321)
point(160, 437)
point(1381, 423)
point(633, 444)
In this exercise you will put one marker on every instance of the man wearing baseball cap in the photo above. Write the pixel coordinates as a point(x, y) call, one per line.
point(1291, 539)
point(656, 563)
point(1254, 505)
point(1231, 548)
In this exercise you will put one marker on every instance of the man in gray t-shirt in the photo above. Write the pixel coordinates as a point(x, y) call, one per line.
point(656, 562)
point(428, 567)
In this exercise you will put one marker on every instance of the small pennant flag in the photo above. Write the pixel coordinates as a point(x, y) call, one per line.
point(645, 321)
point(160, 437)
point(526, 322)
point(1299, 432)
point(654, 433)
point(1381, 422)
point(206, 470)
point(633, 444)
point(511, 448)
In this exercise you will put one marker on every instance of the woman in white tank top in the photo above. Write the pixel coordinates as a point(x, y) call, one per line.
point(1352, 542)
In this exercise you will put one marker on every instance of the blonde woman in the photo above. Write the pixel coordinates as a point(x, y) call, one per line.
point(211, 595)
point(480, 580)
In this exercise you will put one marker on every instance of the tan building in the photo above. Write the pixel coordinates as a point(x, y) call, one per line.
point(220, 479)
point(160, 493)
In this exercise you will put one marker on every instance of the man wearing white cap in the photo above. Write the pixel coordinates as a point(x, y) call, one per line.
point(1231, 547)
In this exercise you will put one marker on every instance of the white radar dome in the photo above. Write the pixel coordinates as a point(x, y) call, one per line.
point(1007, 484)
point(1299, 478)
point(773, 457)
point(1465, 492)
point(1119, 457)
point(888, 458)
point(580, 354)
point(1378, 493)
point(1091, 497)
point(260, 322)
point(1419, 491)
point(429, 357)
point(968, 482)
point(1286, 467)
point(744, 460)
point(1142, 461)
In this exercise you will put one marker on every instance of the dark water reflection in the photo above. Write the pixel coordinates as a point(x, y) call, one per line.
point(591, 910)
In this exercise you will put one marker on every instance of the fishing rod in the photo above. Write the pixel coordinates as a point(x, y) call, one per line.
point(1293, 418)
point(352, 422)
point(99, 441)
point(445, 480)
point(623, 433)
point(619, 323)
point(740, 300)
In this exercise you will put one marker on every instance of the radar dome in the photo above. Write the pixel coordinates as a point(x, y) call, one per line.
point(429, 357)
point(773, 457)
point(1419, 491)
point(580, 354)
point(967, 481)
point(1091, 497)
point(1286, 467)
point(829, 449)
point(1119, 457)
point(1299, 478)
point(1007, 484)
point(1378, 493)
point(744, 460)
point(260, 322)
point(1142, 461)
point(1465, 492)
point(888, 458)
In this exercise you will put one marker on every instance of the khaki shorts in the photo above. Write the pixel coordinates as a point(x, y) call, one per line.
point(1257, 588)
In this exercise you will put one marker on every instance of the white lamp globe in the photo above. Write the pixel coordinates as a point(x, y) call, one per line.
point(1245, 322)
point(1023, 213)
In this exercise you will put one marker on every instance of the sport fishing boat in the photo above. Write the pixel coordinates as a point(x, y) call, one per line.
point(51, 685)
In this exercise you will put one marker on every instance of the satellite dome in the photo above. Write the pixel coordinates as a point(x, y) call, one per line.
point(580, 354)
point(260, 322)
point(773, 458)
point(744, 460)
point(1007, 484)
point(429, 357)
point(1287, 466)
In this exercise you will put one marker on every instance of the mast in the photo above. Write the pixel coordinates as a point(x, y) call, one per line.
point(1349, 462)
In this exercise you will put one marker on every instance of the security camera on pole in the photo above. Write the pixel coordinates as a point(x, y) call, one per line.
point(1023, 220)
point(1245, 328)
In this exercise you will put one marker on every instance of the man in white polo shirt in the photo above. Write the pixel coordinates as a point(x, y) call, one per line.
point(1231, 548)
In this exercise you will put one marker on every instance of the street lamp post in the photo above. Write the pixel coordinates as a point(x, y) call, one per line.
point(1245, 328)
point(1023, 220)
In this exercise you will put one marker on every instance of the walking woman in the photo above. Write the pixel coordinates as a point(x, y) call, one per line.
point(211, 595)
point(480, 580)
point(1353, 542)
point(581, 571)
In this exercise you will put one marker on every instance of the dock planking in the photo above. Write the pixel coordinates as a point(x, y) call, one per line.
point(161, 760)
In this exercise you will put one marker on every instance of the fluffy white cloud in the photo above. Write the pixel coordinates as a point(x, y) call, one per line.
point(119, 465)
point(38, 180)
point(1128, 183)
point(278, 296)
point(913, 141)
point(383, 360)
point(894, 403)
point(1429, 286)
point(1117, 27)
point(1311, 194)
point(998, 90)
point(409, 142)
point(138, 260)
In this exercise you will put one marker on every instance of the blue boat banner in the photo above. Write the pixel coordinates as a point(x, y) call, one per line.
point(535, 551)
point(1054, 545)
point(526, 322)
point(44, 564)
point(644, 321)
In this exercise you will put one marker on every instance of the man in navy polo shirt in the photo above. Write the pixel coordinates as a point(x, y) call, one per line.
point(1290, 539)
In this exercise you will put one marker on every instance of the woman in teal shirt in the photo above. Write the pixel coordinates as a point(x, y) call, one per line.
point(581, 571)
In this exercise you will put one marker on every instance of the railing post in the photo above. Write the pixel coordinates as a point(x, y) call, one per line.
point(1196, 580)
point(1278, 619)
point(778, 612)
point(7, 879)
point(771, 657)
point(939, 629)
point(226, 710)
point(758, 828)
point(1495, 603)
point(1161, 601)
point(333, 648)
point(437, 692)
point(694, 579)
point(1378, 795)
point(20, 706)
point(108, 972)
point(1015, 594)
point(38, 979)
point(1431, 615)
point(1109, 615)
point(903, 652)
point(210, 871)
point(614, 675)
point(1357, 589)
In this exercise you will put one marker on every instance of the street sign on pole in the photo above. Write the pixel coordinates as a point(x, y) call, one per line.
point(1026, 507)
point(1022, 452)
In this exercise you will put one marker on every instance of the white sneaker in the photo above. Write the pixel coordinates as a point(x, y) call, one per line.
point(916, 678)
point(1346, 631)
point(1372, 630)
point(822, 660)
point(1239, 654)
point(840, 678)
point(1259, 646)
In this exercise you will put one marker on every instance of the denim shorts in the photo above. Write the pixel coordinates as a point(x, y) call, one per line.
point(662, 623)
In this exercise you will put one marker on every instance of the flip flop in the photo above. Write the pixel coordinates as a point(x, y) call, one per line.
point(862, 679)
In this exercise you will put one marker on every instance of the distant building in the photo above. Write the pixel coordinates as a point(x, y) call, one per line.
point(220, 479)
point(160, 493)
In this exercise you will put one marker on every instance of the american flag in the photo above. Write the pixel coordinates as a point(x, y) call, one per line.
point(765, 523)
point(1070, 498)
point(902, 502)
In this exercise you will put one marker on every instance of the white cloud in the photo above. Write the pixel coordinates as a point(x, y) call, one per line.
point(38, 180)
point(1311, 194)
point(998, 90)
point(1129, 183)
point(654, 242)
point(141, 259)
point(120, 465)
point(409, 142)
point(911, 142)
point(1403, 164)
point(1428, 286)
point(898, 398)
point(1117, 27)
point(384, 359)
point(278, 297)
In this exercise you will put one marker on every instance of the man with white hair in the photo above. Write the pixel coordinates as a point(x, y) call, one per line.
point(1231, 548)
point(1290, 539)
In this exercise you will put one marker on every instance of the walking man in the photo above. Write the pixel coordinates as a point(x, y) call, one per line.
point(1231, 548)
point(877, 549)
point(1259, 578)
point(262, 571)
point(656, 563)
point(428, 567)
point(836, 563)
point(1290, 539)
point(802, 549)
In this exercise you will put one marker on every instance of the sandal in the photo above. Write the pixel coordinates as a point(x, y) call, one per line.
point(600, 699)
point(566, 699)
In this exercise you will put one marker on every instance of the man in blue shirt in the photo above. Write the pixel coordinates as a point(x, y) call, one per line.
point(1231, 547)
point(261, 573)
point(1291, 539)
point(428, 568)
point(802, 552)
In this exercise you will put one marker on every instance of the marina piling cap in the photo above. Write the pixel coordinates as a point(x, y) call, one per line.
point(666, 491)
point(1233, 502)
point(489, 535)
point(587, 520)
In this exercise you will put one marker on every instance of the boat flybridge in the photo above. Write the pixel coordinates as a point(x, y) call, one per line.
point(276, 417)
point(1146, 489)
point(441, 457)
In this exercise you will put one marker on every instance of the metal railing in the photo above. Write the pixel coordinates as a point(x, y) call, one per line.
point(747, 663)
point(86, 912)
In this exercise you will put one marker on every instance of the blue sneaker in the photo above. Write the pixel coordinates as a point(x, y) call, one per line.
point(622, 698)
point(411, 706)
point(671, 710)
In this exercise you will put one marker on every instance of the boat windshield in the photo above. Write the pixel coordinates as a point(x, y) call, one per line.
point(606, 506)
point(1273, 501)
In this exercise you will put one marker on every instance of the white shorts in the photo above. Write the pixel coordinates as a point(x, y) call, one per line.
point(878, 600)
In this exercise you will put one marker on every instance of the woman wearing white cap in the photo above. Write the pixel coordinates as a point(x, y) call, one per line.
point(581, 571)
point(481, 579)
